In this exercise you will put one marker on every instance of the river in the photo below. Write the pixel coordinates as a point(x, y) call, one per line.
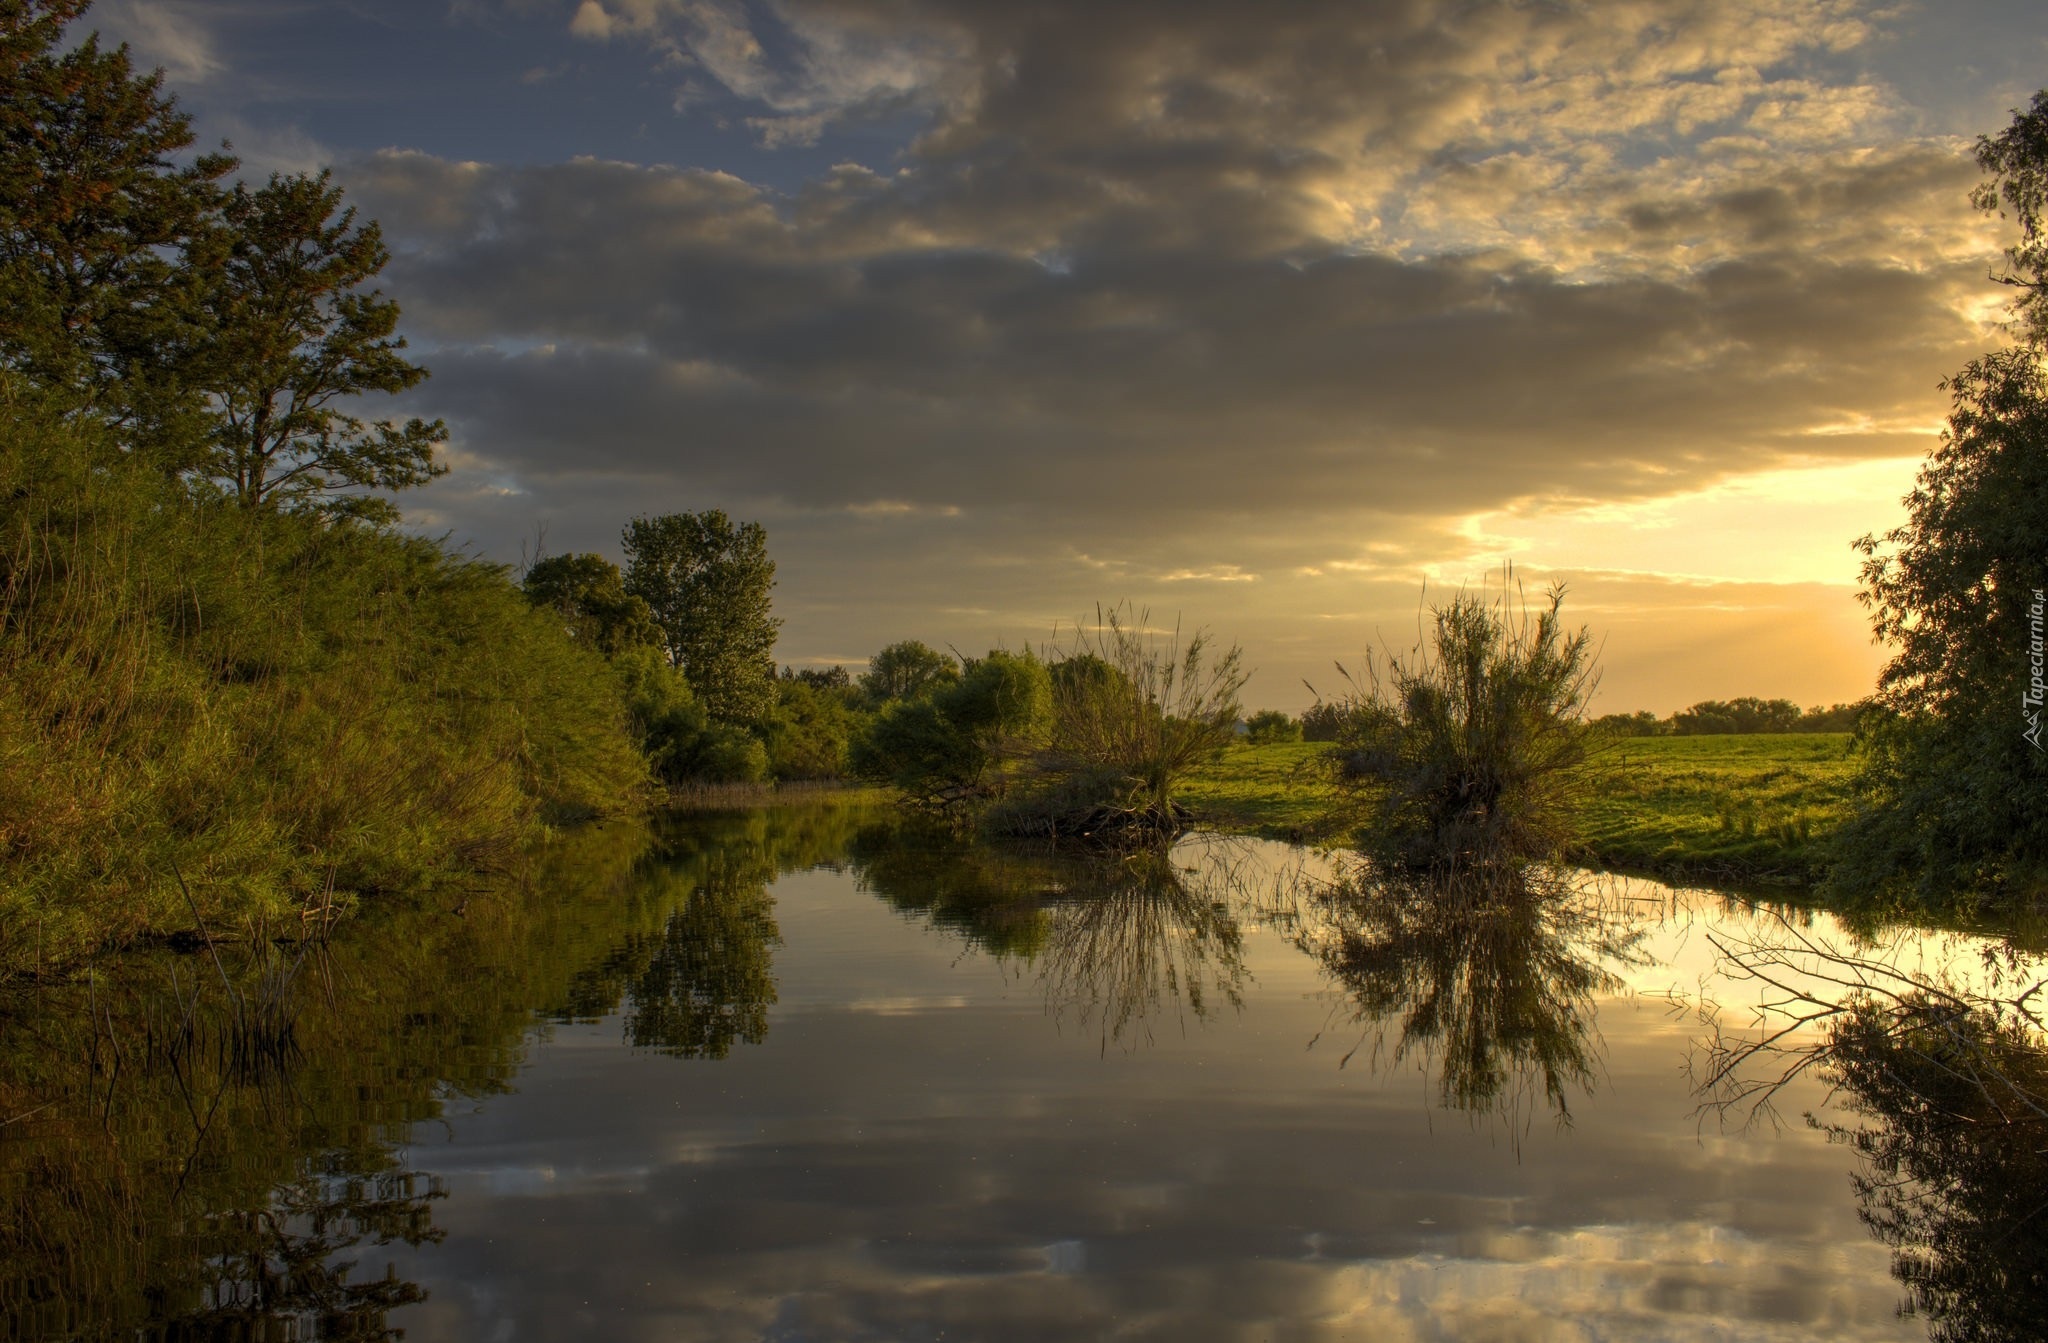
point(810, 1074)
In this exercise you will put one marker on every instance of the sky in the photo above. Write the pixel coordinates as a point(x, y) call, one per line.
point(1284, 321)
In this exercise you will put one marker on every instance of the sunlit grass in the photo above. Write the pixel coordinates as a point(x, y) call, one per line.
point(1761, 805)
point(1736, 807)
point(1278, 790)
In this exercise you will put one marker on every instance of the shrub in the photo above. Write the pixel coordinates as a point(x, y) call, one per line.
point(952, 748)
point(1467, 745)
point(1325, 721)
point(1132, 712)
point(1270, 726)
point(807, 733)
point(259, 707)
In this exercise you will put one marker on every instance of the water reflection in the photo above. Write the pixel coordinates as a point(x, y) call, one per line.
point(1945, 1069)
point(1119, 942)
point(705, 978)
point(192, 1148)
point(1488, 980)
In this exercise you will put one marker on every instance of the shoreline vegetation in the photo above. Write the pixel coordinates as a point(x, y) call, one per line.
point(1742, 809)
point(236, 698)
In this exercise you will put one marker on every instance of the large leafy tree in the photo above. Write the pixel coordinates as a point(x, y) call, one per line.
point(708, 582)
point(589, 593)
point(1958, 775)
point(292, 338)
point(99, 212)
point(910, 669)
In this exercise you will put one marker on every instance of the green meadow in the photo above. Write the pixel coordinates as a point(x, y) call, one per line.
point(1735, 808)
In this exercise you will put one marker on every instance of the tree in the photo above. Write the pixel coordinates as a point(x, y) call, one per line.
point(951, 748)
point(97, 217)
point(1956, 781)
point(589, 593)
point(1269, 726)
point(291, 337)
point(708, 582)
point(907, 670)
point(1956, 785)
point(2017, 161)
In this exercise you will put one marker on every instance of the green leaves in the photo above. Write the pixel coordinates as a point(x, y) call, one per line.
point(98, 219)
point(289, 336)
point(708, 582)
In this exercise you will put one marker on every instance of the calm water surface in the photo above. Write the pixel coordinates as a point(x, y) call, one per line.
point(799, 1075)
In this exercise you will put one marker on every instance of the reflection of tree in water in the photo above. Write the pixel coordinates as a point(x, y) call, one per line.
point(1950, 1078)
point(278, 1272)
point(1116, 938)
point(1486, 978)
point(993, 895)
point(1955, 1155)
point(705, 978)
point(156, 1182)
point(1138, 933)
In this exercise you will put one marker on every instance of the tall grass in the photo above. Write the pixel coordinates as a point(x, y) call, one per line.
point(1133, 710)
point(1466, 747)
point(274, 706)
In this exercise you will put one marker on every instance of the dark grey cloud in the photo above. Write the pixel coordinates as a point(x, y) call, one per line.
point(1207, 302)
point(602, 317)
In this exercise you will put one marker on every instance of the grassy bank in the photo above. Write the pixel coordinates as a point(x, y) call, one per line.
point(229, 714)
point(1730, 808)
point(1734, 808)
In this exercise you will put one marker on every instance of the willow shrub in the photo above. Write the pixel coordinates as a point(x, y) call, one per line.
point(1466, 750)
point(243, 712)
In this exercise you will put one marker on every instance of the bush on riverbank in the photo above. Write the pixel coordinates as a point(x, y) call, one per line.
point(1467, 749)
point(246, 711)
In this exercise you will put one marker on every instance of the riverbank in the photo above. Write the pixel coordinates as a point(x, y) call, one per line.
point(1746, 809)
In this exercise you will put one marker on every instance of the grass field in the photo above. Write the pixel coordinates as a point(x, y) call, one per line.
point(1731, 808)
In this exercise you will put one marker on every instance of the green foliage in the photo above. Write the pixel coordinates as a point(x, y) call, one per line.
point(2016, 159)
point(950, 748)
point(289, 336)
point(1957, 782)
point(725, 753)
point(907, 670)
point(707, 582)
point(808, 732)
point(665, 717)
point(99, 208)
point(1134, 710)
point(1746, 714)
point(1467, 747)
point(1642, 723)
point(1270, 726)
point(261, 707)
point(589, 593)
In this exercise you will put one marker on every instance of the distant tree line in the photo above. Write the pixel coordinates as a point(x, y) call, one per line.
point(1326, 721)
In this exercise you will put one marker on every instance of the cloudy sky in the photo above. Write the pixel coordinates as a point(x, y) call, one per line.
point(1278, 319)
